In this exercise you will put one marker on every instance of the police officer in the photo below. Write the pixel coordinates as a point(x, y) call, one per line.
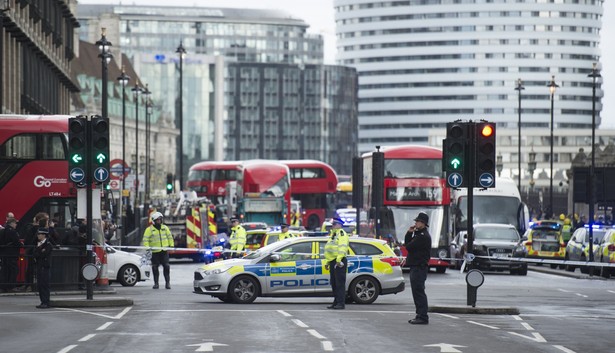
point(284, 234)
point(336, 262)
point(418, 244)
point(237, 238)
point(42, 257)
point(158, 236)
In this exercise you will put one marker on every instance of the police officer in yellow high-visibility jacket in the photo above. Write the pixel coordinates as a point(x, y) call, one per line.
point(336, 262)
point(237, 238)
point(158, 235)
point(284, 234)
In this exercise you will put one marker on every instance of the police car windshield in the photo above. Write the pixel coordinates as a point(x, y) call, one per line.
point(265, 250)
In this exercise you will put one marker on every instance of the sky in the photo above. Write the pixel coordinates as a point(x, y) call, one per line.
point(319, 15)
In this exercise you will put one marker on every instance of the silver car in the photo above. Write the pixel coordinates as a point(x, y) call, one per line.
point(295, 267)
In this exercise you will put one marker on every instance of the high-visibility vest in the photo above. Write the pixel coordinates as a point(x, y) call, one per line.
point(337, 246)
point(155, 238)
point(238, 238)
point(285, 235)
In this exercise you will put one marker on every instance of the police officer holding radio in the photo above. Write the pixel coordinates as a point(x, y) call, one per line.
point(418, 244)
point(336, 262)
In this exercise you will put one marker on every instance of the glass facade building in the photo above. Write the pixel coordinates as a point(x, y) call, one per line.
point(423, 63)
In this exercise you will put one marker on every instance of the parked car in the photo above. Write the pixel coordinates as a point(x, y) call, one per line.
point(605, 252)
point(494, 244)
point(126, 267)
point(544, 240)
point(577, 248)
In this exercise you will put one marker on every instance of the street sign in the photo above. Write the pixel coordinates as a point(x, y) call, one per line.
point(486, 180)
point(117, 167)
point(101, 174)
point(77, 175)
point(455, 180)
point(114, 184)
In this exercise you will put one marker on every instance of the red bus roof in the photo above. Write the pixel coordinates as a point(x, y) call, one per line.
point(209, 165)
point(307, 185)
point(19, 124)
point(409, 152)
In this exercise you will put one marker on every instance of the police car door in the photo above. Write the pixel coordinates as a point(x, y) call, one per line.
point(293, 273)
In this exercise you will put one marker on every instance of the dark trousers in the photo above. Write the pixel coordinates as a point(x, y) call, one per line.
point(337, 278)
point(418, 276)
point(9, 272)
point(42, 282)
point(161, 258)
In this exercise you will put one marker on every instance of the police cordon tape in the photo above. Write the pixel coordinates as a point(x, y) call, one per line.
point(197, 250)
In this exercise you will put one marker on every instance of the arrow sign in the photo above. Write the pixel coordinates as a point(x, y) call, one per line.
point(101, 174)
point(486, 180)
point(455, 163)
point(446, 348)
point(77, 175)
point(206, 346)
point(101, 158)
point(455, 180)
point(76, 158)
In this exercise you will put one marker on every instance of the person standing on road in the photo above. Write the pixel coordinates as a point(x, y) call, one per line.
point(284, 233)
point(159, 236)
point(42, 257)
point(418, 244)
point(337, 263)
point(9, 250)
point(237, 238)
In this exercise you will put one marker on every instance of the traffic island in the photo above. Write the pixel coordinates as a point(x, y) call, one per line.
point(473, 310)
point(99, 302)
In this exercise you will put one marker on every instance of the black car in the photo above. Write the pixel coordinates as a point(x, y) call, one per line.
point(494, 245)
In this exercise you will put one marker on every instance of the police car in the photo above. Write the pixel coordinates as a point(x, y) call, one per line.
point(295, 267)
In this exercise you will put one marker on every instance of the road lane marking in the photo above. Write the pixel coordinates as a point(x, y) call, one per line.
point(104, 326)
point(610, 291)
point(527, 326)
point(449, 316)
point(581, 295)
point(284, 313)
point(517, 317)
point(537, 337)
point(564, 349)
point(563, 290)
point(316, 334)
point(299, 323)
point(484, 325)
point(327, 346)
point(120, 315)
point(87, 338)
point(67, 348)
point(88, 312)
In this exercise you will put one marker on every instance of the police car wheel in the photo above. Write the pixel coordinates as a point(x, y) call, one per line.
point(364, 290)
point(243, 290)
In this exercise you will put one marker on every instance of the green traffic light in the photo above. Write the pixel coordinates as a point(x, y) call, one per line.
point(101, 158)
point(76, 158)
point(169, 186)
point(456, 163)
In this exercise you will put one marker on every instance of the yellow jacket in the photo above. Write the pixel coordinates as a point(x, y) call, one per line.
point(337, 246)
point(155, 238)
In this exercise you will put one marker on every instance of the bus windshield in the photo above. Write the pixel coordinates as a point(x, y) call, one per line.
point(403, 218)
point(413, 168)
point(484, 206)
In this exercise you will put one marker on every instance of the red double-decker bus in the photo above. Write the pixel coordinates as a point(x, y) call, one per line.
point(413, 183)
point(263, 192)
point(209, 179)
point(314, 184)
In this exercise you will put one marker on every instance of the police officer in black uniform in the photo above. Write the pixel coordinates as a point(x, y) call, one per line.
point(42, 257)
point(418, 244)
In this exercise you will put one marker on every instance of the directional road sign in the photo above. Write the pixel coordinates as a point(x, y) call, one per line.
point(77, 175)
point(486, 180)
point(455, 180)
point(101, 174)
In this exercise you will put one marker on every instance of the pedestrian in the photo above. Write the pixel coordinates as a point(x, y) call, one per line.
point(9, 250)
point(284, 233)
point(158, 236)
point(42, 257)
point(337, 263)
point(418, 244)
point(237, 238)
point(30, 241)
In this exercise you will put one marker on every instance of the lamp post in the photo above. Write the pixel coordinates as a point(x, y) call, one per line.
point(123, 80)
point(531, 167)
point(552, 86)
point(519, 88)
point(594, 75)
point(105, 57)
point(136, 90)
point(499, 165)
point(146, 92)
point(301, 111)
point(182, 53)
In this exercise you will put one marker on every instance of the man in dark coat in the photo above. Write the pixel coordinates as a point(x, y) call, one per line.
point(42, 257)
point(9, 249)
point(418, 244)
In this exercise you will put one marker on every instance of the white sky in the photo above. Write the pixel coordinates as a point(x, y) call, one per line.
point(320, 16)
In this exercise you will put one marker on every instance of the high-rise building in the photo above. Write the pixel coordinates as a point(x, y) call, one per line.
point(423, 63)
point(275, 57)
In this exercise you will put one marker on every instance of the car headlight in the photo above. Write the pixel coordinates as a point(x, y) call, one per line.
point(216, 271)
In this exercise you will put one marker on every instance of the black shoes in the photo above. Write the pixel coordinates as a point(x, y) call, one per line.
point(336, 307)
point(155, 286)
point(43, 306)
point(167, 286)
point(418, 321)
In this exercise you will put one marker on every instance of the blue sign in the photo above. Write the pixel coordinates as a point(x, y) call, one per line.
point(101, 174)
point(77, 175)
point(455, 180)
point(486, 180)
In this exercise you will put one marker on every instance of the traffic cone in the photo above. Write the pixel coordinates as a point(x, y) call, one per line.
point(103, 278)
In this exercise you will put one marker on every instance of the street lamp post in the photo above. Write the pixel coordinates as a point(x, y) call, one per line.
point(301, 111)
point(499, 165)
point(136, 90)
point(182, 53)
point(123, 80)
point(552, 86)
point(519, 88)
point(594, 75)
point(531, 167)
point(105, 56)
point(147, 93)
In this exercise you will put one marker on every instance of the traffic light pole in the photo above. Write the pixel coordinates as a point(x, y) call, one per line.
point(88, 181)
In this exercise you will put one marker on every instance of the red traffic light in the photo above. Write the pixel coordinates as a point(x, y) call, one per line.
point(486, 131)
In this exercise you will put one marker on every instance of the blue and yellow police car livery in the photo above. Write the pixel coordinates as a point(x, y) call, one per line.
point(296, 267)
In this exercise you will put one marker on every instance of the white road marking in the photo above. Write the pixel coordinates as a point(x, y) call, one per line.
point(527, 326)
point(610, 291)
point(537, 337)
point(517, 317)
point(564, 349)
point(88, 312)
point(581, 295)
point(284, 313)
point(479, 324)
point(104, 326)
point(449, 316)
point(120, 315)
point(316, 334)
point(563, 290)
point(87, 338)
point(299, 323)
point(327, 346)
point(67, 348)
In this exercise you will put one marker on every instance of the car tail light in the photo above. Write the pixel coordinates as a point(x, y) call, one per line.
point(529, 243)
point(611, 247)
point(393, 261)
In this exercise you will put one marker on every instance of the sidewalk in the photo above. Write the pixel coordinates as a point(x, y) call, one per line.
point(77, 298)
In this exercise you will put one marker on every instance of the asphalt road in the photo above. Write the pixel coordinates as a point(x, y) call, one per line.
point(558, 314)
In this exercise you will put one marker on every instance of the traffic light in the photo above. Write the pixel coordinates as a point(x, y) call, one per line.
point(77, 143)
point(169, 183)
point(100, 148)
point(454, 154)
point(485, 154)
